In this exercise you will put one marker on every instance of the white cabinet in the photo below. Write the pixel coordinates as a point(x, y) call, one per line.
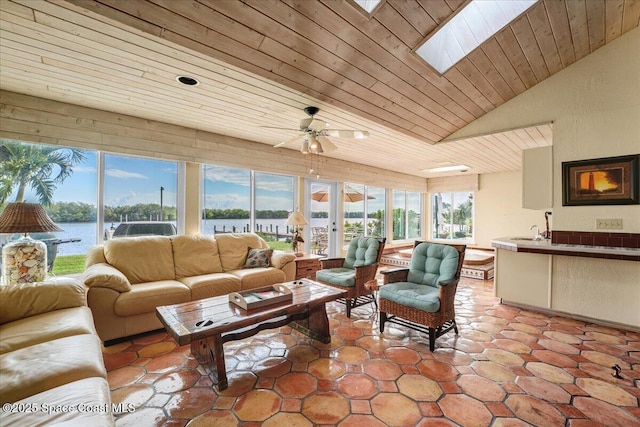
point(537, 178)
point(523, 278)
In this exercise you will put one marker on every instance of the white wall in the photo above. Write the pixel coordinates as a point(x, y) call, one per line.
point(499, 212)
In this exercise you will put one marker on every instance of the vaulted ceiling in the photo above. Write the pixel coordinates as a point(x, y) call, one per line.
point(261, 62)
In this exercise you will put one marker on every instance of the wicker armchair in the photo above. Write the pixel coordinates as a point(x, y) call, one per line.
point(422, 296)
point(353, 271)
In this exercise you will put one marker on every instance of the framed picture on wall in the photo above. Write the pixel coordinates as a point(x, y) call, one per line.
point(605, 181)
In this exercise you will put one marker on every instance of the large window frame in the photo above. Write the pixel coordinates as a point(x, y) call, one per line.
point(407, 222)
point(453, 216)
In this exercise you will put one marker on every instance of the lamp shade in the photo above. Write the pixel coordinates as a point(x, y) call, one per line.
point(296, 219)
point(26, 218)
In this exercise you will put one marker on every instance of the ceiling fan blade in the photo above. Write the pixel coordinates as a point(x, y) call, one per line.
point(343, 133)
point(288, 141)
point(317, 125)
point(327, 145)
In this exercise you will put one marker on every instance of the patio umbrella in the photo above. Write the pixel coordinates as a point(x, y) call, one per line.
point(349, 196)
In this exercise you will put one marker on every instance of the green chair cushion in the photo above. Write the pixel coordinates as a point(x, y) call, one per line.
point(432, 263)
point(362, 251)
point(338, 276)
point(421, 297)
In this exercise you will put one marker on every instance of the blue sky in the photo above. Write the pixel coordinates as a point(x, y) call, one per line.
point(133, 180)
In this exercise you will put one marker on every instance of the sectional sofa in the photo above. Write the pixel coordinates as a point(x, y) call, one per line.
point(51, 366)
point(128, 278)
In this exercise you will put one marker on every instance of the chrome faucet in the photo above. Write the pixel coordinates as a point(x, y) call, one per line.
point(537, 236)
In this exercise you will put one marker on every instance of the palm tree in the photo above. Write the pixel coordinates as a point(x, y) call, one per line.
point(40, 167)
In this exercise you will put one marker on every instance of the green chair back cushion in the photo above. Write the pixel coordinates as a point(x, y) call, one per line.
point(431, 263)
point(362, 251)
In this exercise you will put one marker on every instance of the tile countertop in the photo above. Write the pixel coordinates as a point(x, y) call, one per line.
point(526, 244)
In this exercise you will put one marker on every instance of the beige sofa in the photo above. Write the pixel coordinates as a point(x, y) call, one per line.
point(129, 277)
point(51, 366)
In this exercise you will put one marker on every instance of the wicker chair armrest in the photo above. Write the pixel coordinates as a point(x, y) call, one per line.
point(331, 263)
point(394, 275)
point(451, 281)
point(366, 272)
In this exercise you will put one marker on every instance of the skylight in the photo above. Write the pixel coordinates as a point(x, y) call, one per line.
point(367, 5)
point(472, 26)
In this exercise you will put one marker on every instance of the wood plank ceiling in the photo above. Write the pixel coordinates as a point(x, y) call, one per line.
point(261, 62)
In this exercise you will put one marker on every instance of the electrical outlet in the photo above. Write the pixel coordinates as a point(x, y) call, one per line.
point(609, 224)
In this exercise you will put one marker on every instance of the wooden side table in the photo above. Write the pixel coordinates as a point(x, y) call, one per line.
point(307, 265)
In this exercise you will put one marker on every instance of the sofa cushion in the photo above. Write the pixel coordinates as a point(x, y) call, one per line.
point(34, 369)
point(258, 258)
point(45, 327)
point(258, 277)
point(141, 259)
point(233, 248)
point(103, 275)
point(195, 255)
point(145, 297)
point(212, 285)
point(30, 299)
point(92, 393)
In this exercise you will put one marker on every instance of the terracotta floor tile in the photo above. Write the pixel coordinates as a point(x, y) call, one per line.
point(382, 369)
point(357, 386)
point(296, 385)
point(190, 403)
point(395, 409)
point(481, 388)
point(534, 411)
point(419, 388)
point(543, 389)
point(360, 406)
point(430, 409)
point(439, 371)
point(257, 405)
point(465, 410)
point(325, 408)
point(507, 367)
point(607, 392)
point(359, 421)
point(124, 376)
point(604, 412)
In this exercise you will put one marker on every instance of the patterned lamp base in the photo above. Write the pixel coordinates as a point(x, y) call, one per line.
point(23, 261)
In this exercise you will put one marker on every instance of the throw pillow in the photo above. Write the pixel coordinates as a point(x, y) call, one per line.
point(258, 258)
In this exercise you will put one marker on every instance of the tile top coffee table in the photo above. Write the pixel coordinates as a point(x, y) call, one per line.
point(208, 323)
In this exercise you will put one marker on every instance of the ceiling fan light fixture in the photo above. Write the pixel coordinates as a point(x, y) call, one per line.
point(305, 147)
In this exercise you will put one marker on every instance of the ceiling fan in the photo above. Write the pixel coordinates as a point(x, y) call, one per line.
point(315, 134)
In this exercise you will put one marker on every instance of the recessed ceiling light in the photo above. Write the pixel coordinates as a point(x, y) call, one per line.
point(461, 168)
point(189, 81)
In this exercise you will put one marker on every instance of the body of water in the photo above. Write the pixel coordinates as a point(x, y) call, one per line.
point(86, 232)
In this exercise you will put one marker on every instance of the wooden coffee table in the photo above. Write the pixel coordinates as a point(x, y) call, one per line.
point(208, 323)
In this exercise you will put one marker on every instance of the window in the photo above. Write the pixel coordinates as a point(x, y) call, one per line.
point(69, 198)
point(274, 199)
point(139, 189)
point(226, 201)
point(453, 215)
point(364, 209)
point(407, 214)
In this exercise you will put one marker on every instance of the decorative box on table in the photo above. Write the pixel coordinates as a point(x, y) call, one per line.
point(261, 297)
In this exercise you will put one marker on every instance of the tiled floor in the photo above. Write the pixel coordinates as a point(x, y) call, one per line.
point(508, 367)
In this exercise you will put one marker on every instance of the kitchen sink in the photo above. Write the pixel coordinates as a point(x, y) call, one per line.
point(524, 238)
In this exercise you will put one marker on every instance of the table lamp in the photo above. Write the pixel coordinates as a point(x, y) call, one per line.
point(25, 260)
point(296, 219)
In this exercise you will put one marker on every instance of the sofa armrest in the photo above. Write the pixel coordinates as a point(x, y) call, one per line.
point(281, 258)
point(30, 299)
point(103, 275)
